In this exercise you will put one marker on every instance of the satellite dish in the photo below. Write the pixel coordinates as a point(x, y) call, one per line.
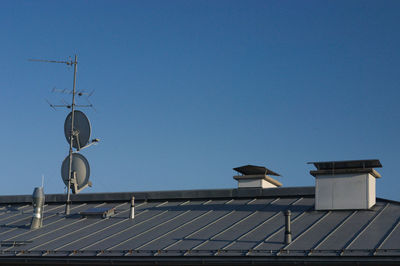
point(81, 172)
point(82, 129)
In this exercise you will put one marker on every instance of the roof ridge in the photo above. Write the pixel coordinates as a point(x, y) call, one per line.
point(168, 195)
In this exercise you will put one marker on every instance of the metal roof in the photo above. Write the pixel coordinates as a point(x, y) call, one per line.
point(207, 225)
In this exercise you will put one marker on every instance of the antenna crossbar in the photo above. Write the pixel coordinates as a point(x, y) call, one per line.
point(69, 106)
point(77, 92)
point(70, 63)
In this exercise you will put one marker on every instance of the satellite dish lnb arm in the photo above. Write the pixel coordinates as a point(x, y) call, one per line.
point(77, 142)
point(94, 141)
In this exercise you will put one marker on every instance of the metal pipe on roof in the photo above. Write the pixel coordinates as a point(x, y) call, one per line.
point(38, 204)
point(132, 212)
point(288, 233)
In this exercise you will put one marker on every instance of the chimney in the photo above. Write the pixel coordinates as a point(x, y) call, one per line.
point(38, 204)
point(345, 185)
point(252, 176)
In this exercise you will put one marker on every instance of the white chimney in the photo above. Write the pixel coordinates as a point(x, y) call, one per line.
point(252, 176)
point(345, 185)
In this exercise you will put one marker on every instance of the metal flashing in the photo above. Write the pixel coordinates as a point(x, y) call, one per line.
point(371, 171)
point(152, 259)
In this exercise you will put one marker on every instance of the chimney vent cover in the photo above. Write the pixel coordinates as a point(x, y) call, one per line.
point(252, 176)
point(346, 167)
point(255, 170)
point(353, 164)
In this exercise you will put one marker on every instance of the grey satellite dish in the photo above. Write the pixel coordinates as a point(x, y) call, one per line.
point(82, 129)
point(80, 172)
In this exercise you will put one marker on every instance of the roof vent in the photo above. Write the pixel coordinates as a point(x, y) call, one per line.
point(98, 213)
point(38, 199)
point(345, 185)
point(252, 176)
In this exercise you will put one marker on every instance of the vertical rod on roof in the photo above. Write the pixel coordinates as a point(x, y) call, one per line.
point(288, 232)
point(68, 203)
point(132, 213)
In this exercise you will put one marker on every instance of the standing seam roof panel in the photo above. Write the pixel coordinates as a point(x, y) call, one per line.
point(107, 227)
point(24, 224)
point(76, 232)
point(257, 236)
point(240, 227)
point(46, 234)
point(141, 218)
point(164, 214)
point(49, 223)
point(371, 238)
point(196, 237)
point(137, 241)
point(349, 230)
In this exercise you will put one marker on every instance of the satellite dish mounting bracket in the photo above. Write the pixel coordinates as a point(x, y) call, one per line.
point(74, 184)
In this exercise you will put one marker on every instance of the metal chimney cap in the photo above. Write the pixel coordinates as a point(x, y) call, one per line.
point(346, 167)
point(38, 192)
point(255, 170)
point(350, 164)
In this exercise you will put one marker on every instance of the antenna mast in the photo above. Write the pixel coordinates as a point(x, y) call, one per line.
point(78, 177)
point(68, 204)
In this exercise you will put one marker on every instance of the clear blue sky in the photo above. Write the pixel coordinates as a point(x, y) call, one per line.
point(187, 90)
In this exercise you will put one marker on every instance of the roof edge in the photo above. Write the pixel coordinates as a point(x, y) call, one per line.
point(168, 195)
point(388, 200)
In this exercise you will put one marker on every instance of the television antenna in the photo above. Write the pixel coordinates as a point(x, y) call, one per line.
point(75, 169)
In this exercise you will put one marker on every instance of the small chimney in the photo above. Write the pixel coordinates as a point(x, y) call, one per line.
point(132, 212)
point(38, 204)
point(252, 176)
point(288, 232)
point(345, 185)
